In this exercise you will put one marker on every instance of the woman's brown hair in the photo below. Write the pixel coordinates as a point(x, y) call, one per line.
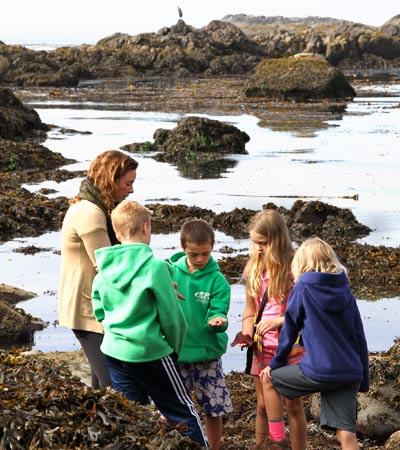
point(106, 169)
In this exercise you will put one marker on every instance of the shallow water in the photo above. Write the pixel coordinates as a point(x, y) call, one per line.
point(356, 155)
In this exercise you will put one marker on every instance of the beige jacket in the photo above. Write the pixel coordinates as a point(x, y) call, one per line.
point(84, 230)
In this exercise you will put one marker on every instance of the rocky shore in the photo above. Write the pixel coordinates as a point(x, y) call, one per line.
point(231, 46)
point(234, 46)
point(54, 384)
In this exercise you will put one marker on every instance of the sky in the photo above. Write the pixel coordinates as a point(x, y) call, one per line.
point(87, 21)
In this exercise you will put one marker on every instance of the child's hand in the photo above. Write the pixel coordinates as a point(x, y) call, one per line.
point(265, 375)
point(217, 321)
point(242, 340)
point(267, 325)
point(177, 293)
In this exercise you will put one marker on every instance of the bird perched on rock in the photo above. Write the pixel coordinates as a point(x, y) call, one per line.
point(179, 12)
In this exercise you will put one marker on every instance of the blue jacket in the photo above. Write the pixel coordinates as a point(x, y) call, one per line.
point(322, 306)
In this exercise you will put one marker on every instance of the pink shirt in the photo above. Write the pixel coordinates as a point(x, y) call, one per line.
point(271, 311)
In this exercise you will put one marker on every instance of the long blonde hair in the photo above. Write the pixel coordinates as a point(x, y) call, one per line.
point(315, 255)
point(276, 258)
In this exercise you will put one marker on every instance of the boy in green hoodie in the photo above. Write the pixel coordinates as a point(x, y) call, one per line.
point(207, 295)
point(144, 327)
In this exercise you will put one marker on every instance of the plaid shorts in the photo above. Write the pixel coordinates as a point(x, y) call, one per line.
point(207, 380)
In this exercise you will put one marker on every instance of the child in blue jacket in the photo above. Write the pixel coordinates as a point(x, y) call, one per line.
point(207, 298)
point(323, 308)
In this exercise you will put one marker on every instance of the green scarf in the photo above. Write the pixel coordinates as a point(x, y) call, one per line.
point(89, 192)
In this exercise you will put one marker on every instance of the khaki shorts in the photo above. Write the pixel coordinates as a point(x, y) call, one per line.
point(338, 398)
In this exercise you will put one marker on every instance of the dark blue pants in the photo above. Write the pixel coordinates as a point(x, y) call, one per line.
point(162, 381)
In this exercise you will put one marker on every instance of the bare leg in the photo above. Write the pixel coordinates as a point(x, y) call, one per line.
point(273, 402)
point(347, 439)
point(214, 431)
point(262, 430)
point(297, 423)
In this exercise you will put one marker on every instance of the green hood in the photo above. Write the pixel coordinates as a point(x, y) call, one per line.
point(134, 298)
point(112, 262)
point(207, 295)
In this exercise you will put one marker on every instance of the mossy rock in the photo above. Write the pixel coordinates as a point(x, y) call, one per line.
point(300, 78)
point(199, 137)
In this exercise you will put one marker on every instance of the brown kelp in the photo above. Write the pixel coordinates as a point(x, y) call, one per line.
point(44, 407)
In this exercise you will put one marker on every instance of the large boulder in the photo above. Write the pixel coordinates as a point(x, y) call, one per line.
point(17, 120)
point(197, 135)
point(16, 326)
point(316, 218)
point(378, 410)
point(391, 27)
point(198, 146)
point(300, 78)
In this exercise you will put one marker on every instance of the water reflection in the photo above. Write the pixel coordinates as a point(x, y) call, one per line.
point(303, 120)
point(206, 170)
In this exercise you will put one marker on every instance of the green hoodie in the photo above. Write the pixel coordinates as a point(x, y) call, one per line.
point(207, 295)
point(134, 298)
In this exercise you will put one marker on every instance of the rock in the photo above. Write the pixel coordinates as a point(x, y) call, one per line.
point(378, 410)
point(391, 27)
point(23, 156)
point(16, 327)
point(298, 78)
point(220, 48)
point(23, 213)
point(198, 146)
point(13, 295)
point(198, 136)
point(316, 218)
point(244, 20)
point(393, 443)
point(16, 120)
point(4, 65)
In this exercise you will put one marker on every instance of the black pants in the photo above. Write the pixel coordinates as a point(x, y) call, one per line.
point(160, 380)
point(90, 342)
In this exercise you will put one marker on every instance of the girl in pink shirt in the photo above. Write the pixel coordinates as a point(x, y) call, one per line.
point(268, 271)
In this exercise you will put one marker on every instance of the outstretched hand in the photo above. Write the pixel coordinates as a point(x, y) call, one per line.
point(243, 340)
point(217, 321)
